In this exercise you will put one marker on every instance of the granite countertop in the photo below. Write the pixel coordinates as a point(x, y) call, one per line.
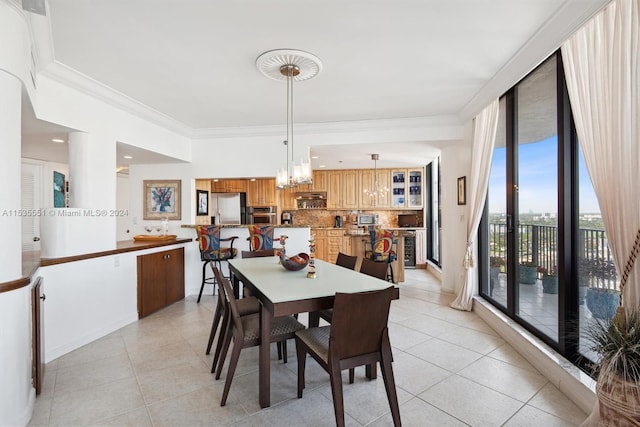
point(248, 225)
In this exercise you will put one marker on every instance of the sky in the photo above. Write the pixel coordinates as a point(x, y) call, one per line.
point(537, 183)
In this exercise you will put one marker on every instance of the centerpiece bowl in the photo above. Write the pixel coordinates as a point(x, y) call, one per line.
point(294, 263)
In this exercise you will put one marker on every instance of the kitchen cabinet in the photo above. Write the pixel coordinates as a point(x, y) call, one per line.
point(160, 280)
point(229, 186)
point(343, 189)
point(367, 181)
point(320, 179)
point(406, 188)
point(287, 198)
point(421, 248)
point(329, 243)
point(334, 244)
point(320, 237)
point(262, 192)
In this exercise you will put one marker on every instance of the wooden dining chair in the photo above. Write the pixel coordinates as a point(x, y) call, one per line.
point(259, 253)
point(244, 331)
point(357, 336)
point(246, 306)
point(374, 269)
point(346, 261)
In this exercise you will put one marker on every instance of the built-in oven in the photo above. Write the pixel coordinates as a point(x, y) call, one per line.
point(262, 215)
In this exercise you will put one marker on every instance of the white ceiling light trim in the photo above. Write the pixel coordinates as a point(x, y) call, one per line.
point(270, 63)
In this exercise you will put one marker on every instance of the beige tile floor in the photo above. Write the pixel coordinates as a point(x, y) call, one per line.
point(450, 369)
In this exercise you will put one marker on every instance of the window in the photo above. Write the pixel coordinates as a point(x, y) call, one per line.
point(541, 234)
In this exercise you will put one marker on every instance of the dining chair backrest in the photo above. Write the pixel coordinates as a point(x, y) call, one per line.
point(259, 253)
point(359, 321)
point(260, 237)
point(226, 291)
point(374, 269)
point(346, 261)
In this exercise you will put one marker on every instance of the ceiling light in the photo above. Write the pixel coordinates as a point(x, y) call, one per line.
point(290, 65)
point(128, 157)
point(314, 157)
point(376, 192)
point(58, 140)
point(322, 166)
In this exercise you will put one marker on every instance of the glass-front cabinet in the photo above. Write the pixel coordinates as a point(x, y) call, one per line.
point(406, 188)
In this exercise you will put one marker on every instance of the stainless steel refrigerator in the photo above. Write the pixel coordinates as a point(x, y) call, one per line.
point(229, 208)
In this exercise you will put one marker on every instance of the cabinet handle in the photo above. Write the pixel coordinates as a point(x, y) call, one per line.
point(43, 297)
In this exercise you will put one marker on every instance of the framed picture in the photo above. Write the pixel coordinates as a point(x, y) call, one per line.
point(202, 200)
point(58, 190)
point(162, 199)
point(462, 190)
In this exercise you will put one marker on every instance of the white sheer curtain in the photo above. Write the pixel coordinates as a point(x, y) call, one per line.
point(602, 68)
point(484, 138)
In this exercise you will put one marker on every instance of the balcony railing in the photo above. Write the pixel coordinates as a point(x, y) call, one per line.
point(538, 245)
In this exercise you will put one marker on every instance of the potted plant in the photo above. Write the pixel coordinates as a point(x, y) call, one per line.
point(617, 342)
point(549, 279)
point(602, 298)
point(528, 273)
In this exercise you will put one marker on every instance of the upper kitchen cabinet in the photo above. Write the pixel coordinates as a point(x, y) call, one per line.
point(262, 192)
point(287, 198)
point(320, 179)
point(343, 189)
point(229, 186)
point(382, 200)
point(406, 188)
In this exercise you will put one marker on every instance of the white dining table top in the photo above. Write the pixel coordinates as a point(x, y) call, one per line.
point(280, 285)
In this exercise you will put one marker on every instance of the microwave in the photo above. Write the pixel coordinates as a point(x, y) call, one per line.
point(368, 219)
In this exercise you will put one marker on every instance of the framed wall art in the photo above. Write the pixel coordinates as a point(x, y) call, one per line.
point(162, 199)
point(462, 190)
point(202, 202)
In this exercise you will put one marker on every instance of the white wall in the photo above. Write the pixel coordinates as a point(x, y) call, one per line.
point(455, 162)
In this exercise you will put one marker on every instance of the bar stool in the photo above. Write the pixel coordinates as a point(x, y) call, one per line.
point(212, 252)
point(382, 248)
point(260, 237)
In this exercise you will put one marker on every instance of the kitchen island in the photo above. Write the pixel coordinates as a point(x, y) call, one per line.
point(353, 241)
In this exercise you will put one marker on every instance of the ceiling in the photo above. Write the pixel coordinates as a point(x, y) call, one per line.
point(194, 60)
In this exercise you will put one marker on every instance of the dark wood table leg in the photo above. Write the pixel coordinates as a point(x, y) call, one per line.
point(314, 319)
point(236, 284)
point(264, 366)
point(371, 371)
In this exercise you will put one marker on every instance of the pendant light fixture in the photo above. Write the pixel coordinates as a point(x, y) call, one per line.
point(290, 65)
point(376, 192)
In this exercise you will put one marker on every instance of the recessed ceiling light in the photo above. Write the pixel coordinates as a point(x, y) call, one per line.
point(323, 166)
point(314, 157)
point(128, 157)
point(57, 140)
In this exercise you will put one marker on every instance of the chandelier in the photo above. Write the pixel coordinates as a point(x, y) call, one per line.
point(376, 192)
point(290, 65)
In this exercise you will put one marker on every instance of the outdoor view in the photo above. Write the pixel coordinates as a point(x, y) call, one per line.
point(535, 218)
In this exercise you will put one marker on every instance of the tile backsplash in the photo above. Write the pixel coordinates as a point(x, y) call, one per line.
point(326, 218)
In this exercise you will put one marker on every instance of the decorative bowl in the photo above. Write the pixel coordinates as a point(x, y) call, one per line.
point(296, 262)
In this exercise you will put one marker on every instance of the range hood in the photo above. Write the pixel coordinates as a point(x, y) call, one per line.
point(311, 195)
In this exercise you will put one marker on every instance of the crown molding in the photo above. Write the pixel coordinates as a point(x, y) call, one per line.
point(430, 122)
point(70, 77)
point(568, 19)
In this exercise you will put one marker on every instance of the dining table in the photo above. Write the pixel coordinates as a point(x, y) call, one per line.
point(282, 292)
